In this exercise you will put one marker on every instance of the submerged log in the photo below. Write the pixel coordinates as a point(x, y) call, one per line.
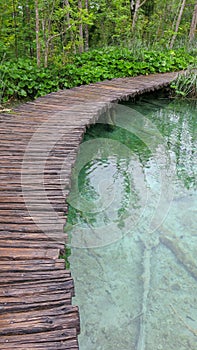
point(173, 243)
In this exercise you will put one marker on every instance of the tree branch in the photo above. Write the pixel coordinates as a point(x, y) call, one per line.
point(56, 35)
point(143, 2)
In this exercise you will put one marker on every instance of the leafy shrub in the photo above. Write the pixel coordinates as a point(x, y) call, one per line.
point(23, 79)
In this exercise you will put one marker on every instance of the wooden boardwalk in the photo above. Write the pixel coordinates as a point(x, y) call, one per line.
point(39, 140)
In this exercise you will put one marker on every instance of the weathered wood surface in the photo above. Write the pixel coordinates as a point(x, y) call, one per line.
point(36, 310)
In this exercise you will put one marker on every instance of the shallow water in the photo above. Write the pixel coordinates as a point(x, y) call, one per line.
point(133, 230)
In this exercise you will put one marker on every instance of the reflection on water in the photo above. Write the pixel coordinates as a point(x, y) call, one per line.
point(138, 291)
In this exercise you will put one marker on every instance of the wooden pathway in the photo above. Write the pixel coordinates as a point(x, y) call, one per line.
point(36, 310)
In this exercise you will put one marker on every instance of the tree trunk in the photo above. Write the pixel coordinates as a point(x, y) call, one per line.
point(46, 53)
point(15, 29)
point(193, 24)
point(135, 6)
point(132, 8)
point(177, 23)
point(81, 48)
point(66, 3)
point(86, 30)
point(27, 20)
point(37, 34)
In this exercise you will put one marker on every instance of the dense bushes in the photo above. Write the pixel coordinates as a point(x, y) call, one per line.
point(23, 79)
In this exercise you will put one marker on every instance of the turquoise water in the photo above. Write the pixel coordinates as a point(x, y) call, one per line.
point(132, 226)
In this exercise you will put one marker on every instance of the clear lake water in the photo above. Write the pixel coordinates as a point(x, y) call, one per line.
point(132, 228)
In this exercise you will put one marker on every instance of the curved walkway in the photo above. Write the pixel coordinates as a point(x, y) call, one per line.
point(38, 147)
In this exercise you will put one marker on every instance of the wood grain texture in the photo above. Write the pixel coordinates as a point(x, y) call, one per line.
point(36, 311)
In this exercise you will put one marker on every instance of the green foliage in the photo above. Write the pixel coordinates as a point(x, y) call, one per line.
point(185, 85)
point(23, 79)
point(112, 23)
point(65, 256)
point(106, 22)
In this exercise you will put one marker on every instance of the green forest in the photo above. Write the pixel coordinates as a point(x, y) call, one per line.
point(46, 45)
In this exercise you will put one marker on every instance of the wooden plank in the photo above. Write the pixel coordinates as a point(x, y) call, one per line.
point(28, 253)
point(63, 345)
point(9, 277)
point(42, 337)
point(63, 317)
point(24, 289)
point(32, 265)
point(38, 303)
point(31, 301)
point(20, 243)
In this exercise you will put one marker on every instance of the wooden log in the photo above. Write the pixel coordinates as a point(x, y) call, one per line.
point(36, 299)
point(16, 277)
point(27, 288)
point(182, 256)
point(42, 337)
point(63, 317)
point(63, 345)
point(38, 303)
point(28, 253)
point(20, 243)
point(32, 265)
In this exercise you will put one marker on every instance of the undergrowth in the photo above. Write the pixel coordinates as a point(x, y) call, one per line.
point(185, 86)
point(24, 80)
